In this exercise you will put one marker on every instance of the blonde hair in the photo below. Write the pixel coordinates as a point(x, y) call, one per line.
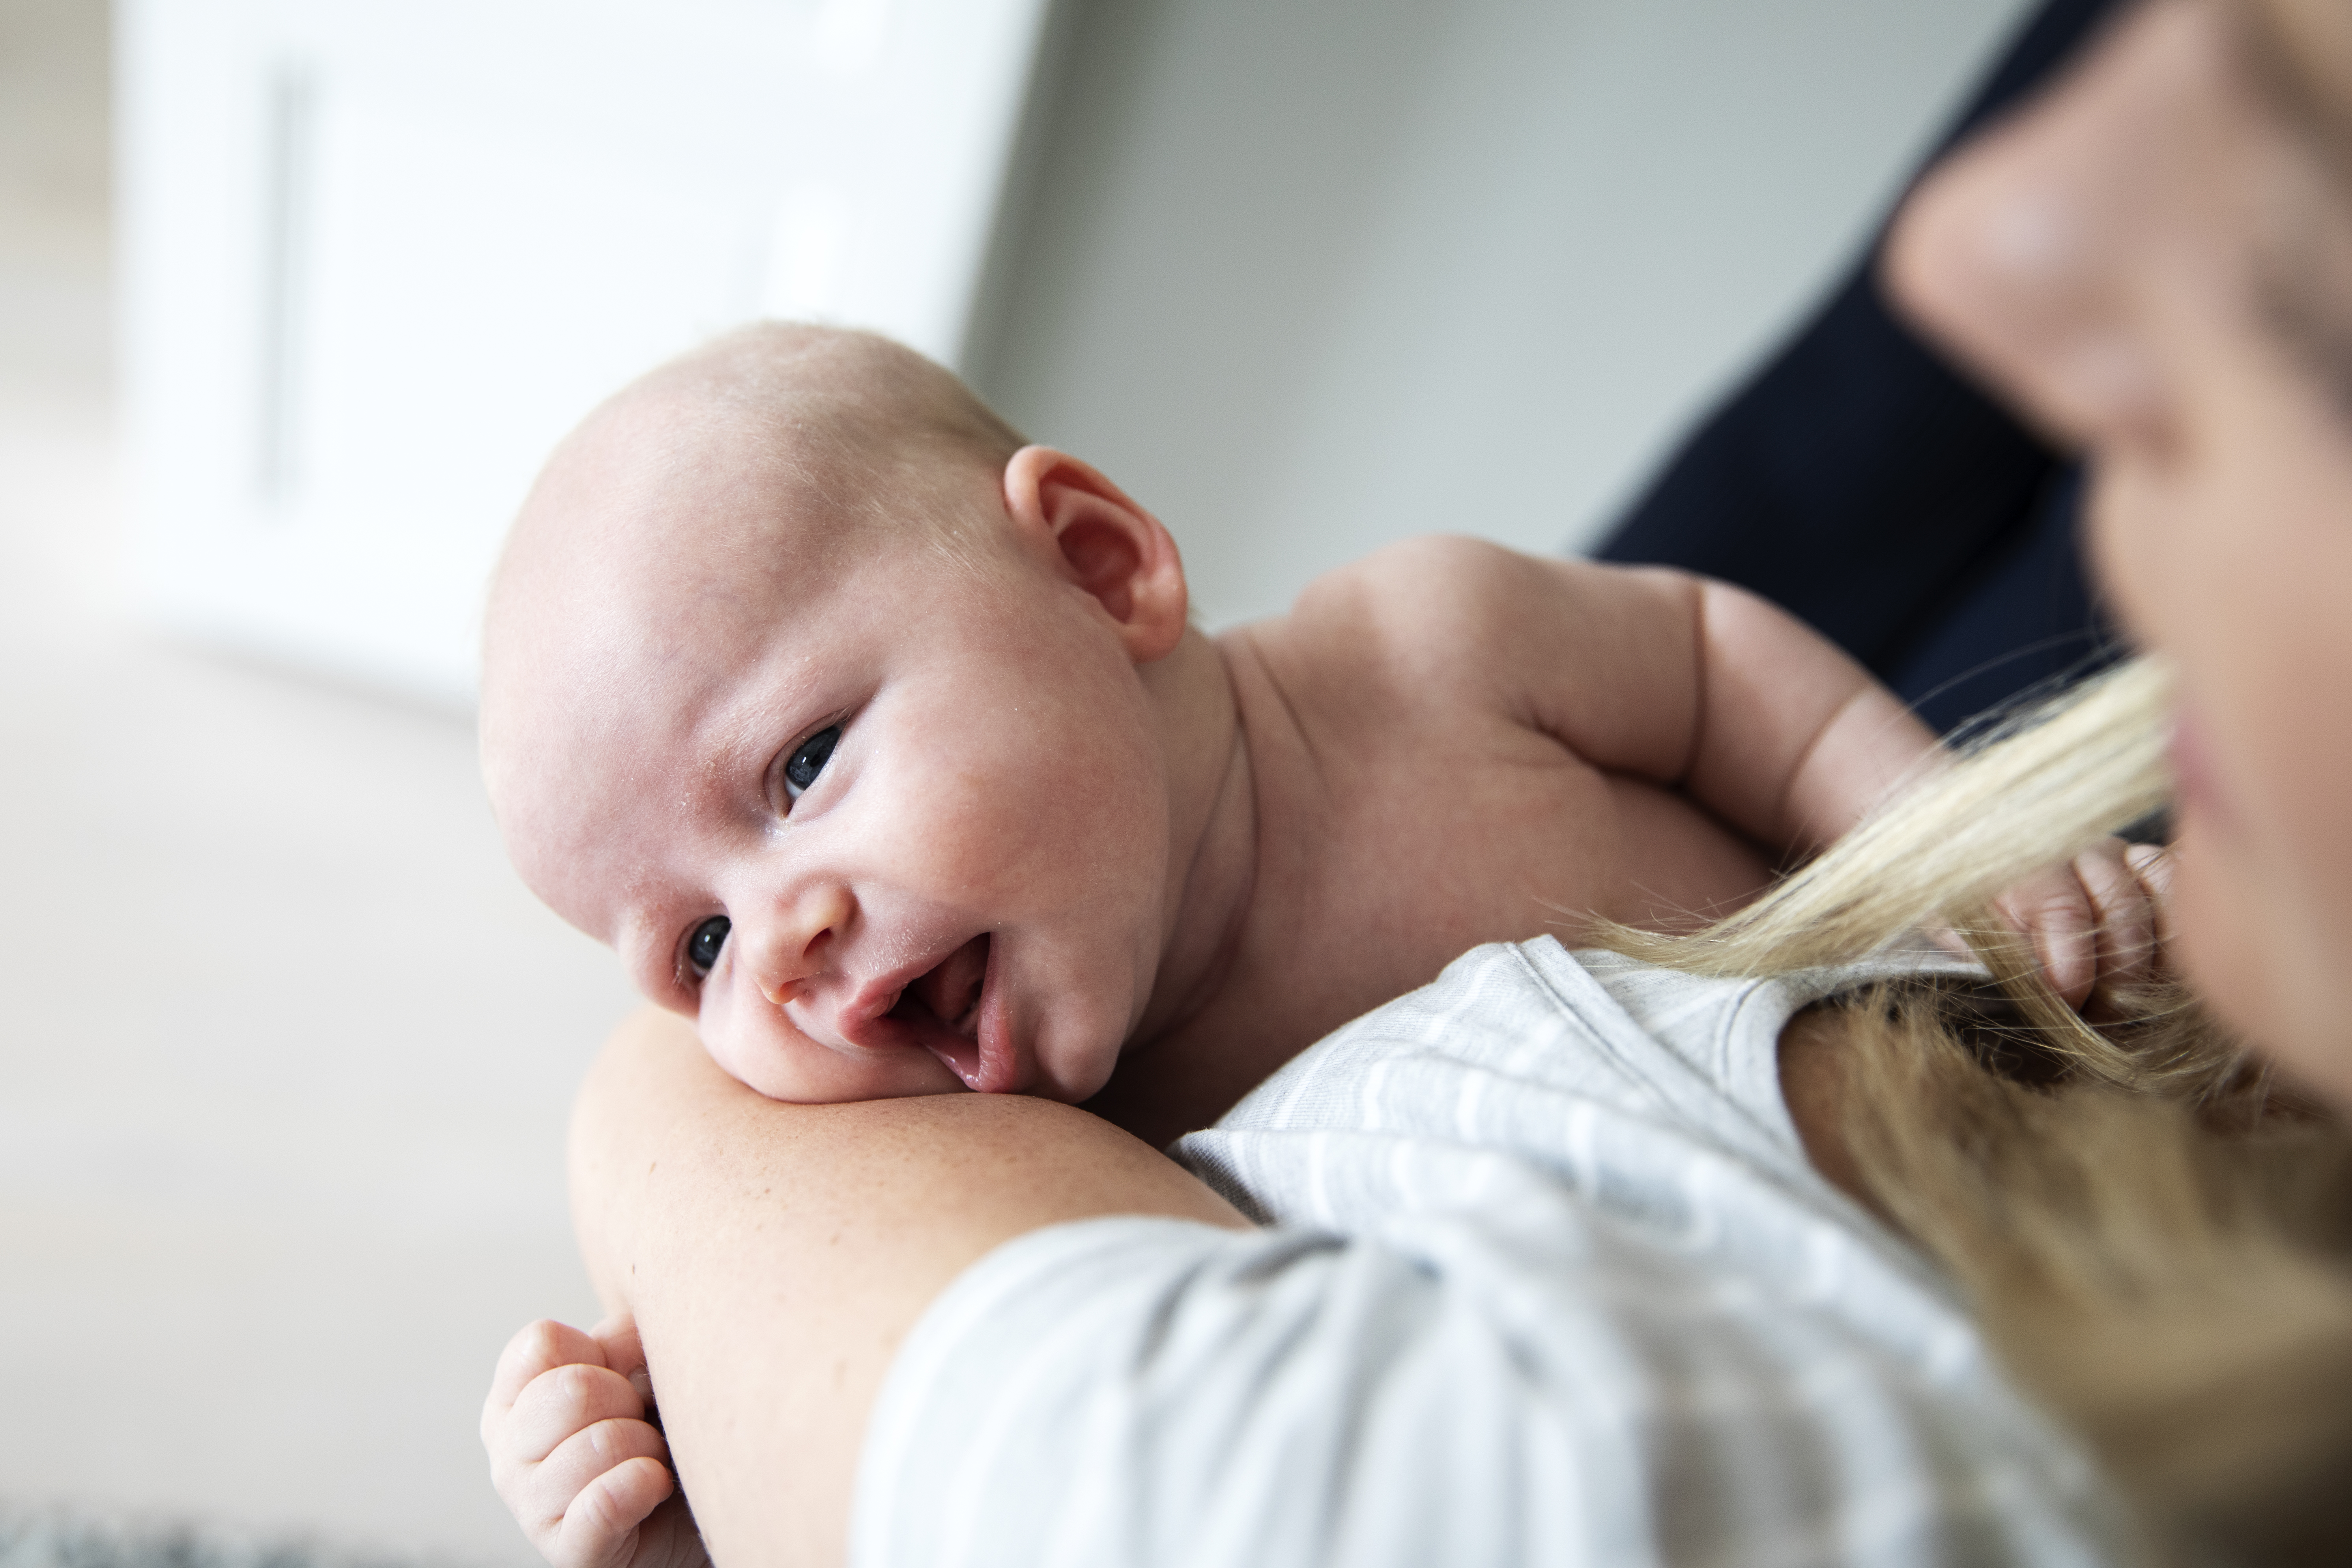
point(2154, 1237)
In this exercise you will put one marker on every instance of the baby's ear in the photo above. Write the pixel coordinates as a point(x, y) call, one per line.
point(1101, 540)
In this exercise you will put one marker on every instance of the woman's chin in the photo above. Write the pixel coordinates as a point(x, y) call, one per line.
point(2256, 955)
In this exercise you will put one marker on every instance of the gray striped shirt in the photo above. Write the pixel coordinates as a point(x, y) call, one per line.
point(1544, 1276)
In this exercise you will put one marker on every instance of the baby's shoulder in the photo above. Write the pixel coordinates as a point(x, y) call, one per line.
point(1444, 612)
point(1399, 624)
point(1430, 572)
point(1438, 590)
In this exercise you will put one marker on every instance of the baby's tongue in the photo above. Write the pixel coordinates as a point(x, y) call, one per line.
point(952, 990)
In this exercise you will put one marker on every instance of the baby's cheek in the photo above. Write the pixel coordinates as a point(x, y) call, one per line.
point(748, 1036)
point(719, 1029)
point(1103, 810)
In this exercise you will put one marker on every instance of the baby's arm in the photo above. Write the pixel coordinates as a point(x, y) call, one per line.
point(1777, 732)
point(1796, 742)
point(1791, 741)
point(1690, 683)
point(573, 1457)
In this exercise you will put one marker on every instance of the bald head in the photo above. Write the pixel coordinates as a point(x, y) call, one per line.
point(800, 426)
point(846, 411)
point(681, 510)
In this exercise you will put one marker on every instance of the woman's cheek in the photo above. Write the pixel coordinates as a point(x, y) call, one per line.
point(2262, 939)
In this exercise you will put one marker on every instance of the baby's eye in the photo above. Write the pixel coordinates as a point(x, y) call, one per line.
point(808, 760)
point(703, 947)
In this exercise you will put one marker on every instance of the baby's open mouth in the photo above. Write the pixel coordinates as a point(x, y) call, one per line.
point(948, 1010)
point(947, 994)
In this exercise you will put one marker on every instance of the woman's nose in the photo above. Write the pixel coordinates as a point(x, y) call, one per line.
point(1998, 258)
point(790, 942)
point(2028, 252)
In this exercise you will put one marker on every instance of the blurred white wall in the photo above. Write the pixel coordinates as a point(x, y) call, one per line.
point(1310, 276)
point(376, 259)
point(287, 1049)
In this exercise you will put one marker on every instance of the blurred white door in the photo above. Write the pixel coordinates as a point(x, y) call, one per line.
point(378, 257)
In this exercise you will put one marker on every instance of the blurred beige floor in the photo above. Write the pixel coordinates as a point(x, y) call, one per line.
point(286, 1048)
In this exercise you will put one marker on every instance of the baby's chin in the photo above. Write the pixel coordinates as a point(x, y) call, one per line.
point(1075, 1076)
point(946, 1033)
point(818, 1074)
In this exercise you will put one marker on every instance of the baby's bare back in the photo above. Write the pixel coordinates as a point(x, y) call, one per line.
point(1412, 735)
point(1449, 744)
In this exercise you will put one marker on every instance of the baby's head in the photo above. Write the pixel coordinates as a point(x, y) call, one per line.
point(821, 697)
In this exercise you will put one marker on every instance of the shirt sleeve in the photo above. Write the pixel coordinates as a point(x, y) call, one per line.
point(1143, 1391)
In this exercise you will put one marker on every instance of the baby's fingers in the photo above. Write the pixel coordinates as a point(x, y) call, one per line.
point(2127, 914)
point(581, 1506)
point(2152, 864)
point(625, 1353)
point(543, 1345)
point(602, 1527)
point(2053, 910)
point(561, 1402)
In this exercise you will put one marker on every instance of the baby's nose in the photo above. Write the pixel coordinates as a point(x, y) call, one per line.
point(792, 946)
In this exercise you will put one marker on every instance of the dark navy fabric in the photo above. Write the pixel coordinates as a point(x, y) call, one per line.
point(1865, 485)
point(2019, 619)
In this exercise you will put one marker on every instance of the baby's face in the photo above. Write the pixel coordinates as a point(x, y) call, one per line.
point(884, 821)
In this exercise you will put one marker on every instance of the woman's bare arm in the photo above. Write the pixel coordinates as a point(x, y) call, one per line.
point(774, 1256)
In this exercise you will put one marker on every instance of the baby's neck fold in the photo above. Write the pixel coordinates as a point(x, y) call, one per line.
point(1213, 830)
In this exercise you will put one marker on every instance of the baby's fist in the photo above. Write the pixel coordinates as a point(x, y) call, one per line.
point(2096, 922)
point(573, 1457)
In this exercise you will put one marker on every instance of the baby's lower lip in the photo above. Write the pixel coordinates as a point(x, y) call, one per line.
point(940, 1010)
point(1000, 1063)
point(949, 991)
point(985, 1059)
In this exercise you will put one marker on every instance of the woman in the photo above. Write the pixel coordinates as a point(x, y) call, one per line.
point(2156, 259)
point(2156, 264)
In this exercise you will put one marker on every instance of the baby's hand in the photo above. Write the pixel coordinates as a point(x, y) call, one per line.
point(573, 1455)
point(2095, 921)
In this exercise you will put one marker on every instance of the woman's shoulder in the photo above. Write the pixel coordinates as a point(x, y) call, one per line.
point(1692, 1058)
point(1596, 1088)
point(1516, 1296)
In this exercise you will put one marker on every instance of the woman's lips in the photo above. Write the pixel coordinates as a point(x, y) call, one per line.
point(2194, 785)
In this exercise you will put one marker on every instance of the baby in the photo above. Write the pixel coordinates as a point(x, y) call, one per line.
point(878, 743)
